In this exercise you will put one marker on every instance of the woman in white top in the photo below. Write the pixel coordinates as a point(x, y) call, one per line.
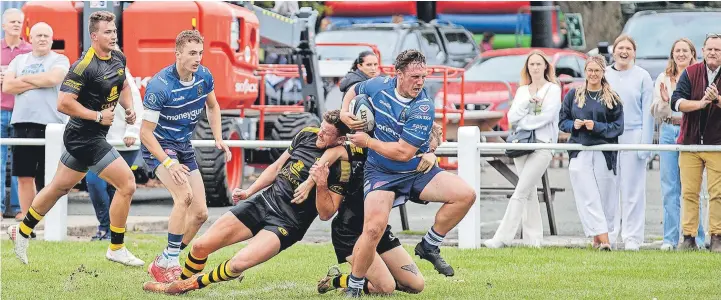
point(683, 54)
point(536, 106)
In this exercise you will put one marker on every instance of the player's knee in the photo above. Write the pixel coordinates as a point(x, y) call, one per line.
point(59, 190)
point(374, 230)
point(200, 216)
point(201, 248)
point(386, 287)
point(185, 198)
point(126, 187)
point(238, 265)
point(467, 196)
point(414, 286)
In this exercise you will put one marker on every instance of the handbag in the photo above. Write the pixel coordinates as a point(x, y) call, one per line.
point(522, 136)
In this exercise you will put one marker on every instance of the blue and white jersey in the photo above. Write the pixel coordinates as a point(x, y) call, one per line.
point(397, 118)
point(180, 104)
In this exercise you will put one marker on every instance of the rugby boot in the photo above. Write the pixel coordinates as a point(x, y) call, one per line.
point(715, 243)
point(124, 256)
point(163, 275)
point(21, 243)
point(326, 284)
point(183, 286)
point(353, 293)
point(434, 256)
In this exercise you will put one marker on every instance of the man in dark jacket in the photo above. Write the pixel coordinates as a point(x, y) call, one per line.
point(701, 124)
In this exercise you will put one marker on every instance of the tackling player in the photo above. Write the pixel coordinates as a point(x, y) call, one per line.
point(174, 103)
point(269, 217)
point(404, 115)
point(392, 267)
point(89, 94)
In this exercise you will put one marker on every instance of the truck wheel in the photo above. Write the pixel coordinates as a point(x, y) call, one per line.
point(288, 125)
point(219, 177)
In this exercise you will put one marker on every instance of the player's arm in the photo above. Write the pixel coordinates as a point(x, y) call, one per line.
point(346, 116)
point(327, 198)
point(50, 78)
point(269, 174)
point(330, 156)
point(68, 99)
point(126, 95)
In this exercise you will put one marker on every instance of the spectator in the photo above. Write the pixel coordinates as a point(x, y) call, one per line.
point(683, 54)
point(593, 115)
point(635, 87)
point(101, 193)
point(487, 42)
point(286, 8)
point(701, 124)
point(364, 67)
point(535, 107)
point(34, 78)
point(12, 45)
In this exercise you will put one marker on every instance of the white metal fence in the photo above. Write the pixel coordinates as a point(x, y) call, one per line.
point(468, 149)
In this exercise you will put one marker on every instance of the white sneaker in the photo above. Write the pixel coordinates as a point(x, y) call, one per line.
point(21, 243)
point(493, 244)
point(666, 247)
point(631, 246)
point(124, 256)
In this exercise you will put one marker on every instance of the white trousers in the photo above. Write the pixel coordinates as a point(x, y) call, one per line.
point(523, 208)
point(630, 219)
point(595, 191)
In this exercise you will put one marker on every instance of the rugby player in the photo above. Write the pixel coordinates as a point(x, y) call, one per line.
point(89, 94)
point(269, 217)
point(403, 117)
point(174, 103)
point(392, 267)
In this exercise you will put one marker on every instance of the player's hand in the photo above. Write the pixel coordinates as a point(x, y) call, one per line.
point(701, 104)
point(130, 116)
point(428, 160)
point(179, 172)
point(589, 124)
point(359, 138)
point(108, 115)
point(578, 123)
point(220, 144)
point(664, 93)
point(302, 191)
point(129, 141)
point(319, 174)
point(240, 194)
point(351, 121)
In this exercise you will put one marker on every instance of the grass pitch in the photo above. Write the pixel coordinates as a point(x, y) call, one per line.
point(79, 270)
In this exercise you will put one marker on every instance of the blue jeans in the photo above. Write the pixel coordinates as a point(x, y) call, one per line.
point(101, 193)
point(6, 158)
point(671, 189)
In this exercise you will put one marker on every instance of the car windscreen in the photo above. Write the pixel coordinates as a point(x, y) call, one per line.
point(385, 40)
point(458, 43)
point(497, 68)
point(655, 34)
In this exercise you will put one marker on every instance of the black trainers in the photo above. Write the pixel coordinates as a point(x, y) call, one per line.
point(434, 256)
point(715, 243)
point(352, 293)
point(688, 244)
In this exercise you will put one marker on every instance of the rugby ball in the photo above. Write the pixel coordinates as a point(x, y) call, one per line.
point(361, 107)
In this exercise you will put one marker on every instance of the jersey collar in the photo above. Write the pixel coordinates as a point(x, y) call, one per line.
point(100, 57)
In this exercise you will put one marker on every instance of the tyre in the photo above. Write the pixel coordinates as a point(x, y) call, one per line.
point(219, 177)
point(288, 125)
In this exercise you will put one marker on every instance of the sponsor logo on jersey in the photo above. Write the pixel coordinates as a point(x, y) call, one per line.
point(336, 189)
point(283, 231)
point(192, 115)
point(73, 84)
point(424, 107)
point(178, 98)
point(114, 95)
point(152, 99)
point(200, 90)
point(386, 104)
point(121, 72)
point(296, 168)
point(388, 130)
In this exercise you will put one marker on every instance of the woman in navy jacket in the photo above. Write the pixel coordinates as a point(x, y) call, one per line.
point(593, 115)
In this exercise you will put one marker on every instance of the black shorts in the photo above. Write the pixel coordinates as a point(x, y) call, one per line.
point(29, 161)
point(344, 240)
point(85, 152)
point(256, 214)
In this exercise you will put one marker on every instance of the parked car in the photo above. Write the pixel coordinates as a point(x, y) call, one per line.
point(492, 79)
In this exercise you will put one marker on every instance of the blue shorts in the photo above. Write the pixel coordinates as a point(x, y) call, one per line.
point(405, 185)
point(182, 152)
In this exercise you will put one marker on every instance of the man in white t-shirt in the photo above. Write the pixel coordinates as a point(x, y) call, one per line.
point(34, 78)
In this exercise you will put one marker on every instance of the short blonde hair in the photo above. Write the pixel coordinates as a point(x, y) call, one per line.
point(187, 36)
point(97, 17)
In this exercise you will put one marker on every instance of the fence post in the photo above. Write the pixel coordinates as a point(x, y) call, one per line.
point(469, 168)
point(56, 220)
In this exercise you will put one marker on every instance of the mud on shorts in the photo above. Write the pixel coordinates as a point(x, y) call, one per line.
point(94, 154)
point(181, 151)
point(344, 240)
point(407, 186)
point(256, 214)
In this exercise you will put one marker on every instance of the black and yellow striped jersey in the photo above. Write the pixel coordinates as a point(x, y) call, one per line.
point(98, 82)
point(303, 154)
